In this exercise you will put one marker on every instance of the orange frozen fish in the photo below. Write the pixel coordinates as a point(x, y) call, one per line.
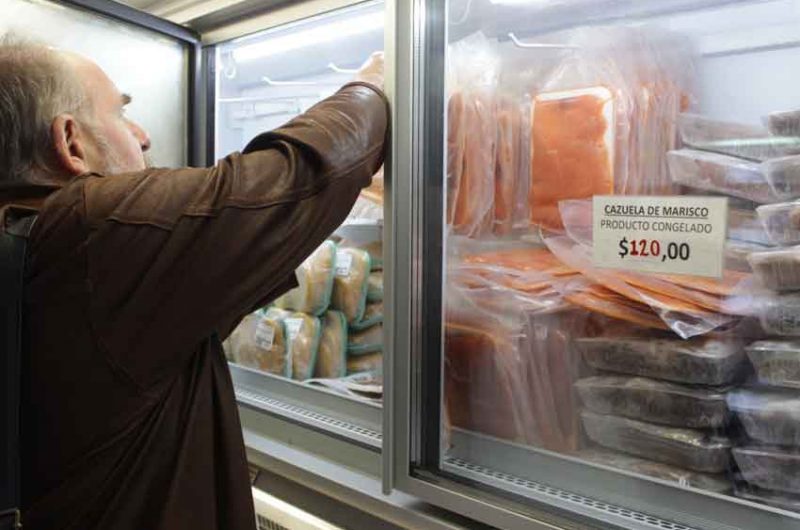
point(509, 123)
point(601, 300)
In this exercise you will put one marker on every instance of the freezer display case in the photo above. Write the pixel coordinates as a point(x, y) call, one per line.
point(595, 229)
point(328, 332)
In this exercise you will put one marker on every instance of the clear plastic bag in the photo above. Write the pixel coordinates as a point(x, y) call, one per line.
point(701, 360)
point(686, 448)
point(375, 287)
point(507, 164)
point(332, 357)
point(768, 416)
point(259, 341)
point(315, 279)
point(777, 269)
point(777, 363)
point(771, 468)
point(655, 401)
point(369, 363)
point(302, 336)
point(780, 314)
point(785, 123)
point(368, 340)
point(781, 222)
point(783, 175)
point(350, 283)
point(745, 225)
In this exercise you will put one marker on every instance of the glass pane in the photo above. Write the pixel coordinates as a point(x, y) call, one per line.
point(329, 331)
point(604, 332)
point(152, 68)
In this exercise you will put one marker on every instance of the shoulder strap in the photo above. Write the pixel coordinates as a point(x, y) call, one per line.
point(13, 242)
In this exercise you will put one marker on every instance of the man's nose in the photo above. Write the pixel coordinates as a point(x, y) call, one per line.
point(141, 135)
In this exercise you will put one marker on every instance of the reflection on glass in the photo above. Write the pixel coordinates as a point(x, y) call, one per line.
point(690, 379)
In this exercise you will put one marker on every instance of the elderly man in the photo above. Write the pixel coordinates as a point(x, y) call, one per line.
point(134, 274)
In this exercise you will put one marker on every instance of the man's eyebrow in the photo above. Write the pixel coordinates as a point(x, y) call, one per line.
point(126, 99)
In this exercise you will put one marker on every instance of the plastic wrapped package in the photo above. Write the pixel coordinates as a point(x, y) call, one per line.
point(745, 225)
point(772, 468)
point(373, 246)
point(682, 477)
point(350, 283)
point(781, 222)
point(785, 123)
point(768, 416)
point(783, 175)
point(782, 500)
point(332, 356)
point(315, 279)
point(259, 341)
point(373, 316)
point(375, 287)
point(369, 340)
point(780, 314)
point(701, 360)
point(302, 336)
point(737, 253)
point(507, 164)
point(372, 362)
point(777, 269)
point(776, 362)
point(686, 448)
point(655, 401)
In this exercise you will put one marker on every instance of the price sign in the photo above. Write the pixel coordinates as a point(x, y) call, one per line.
point(673, 235)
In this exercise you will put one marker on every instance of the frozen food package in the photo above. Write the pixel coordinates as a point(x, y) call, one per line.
point(373, 246)
point(302, 335)
point(332, 356)
point(696, 361)
point(655, 401)
point(315, 279)
point(375, 287)
point(373, 315)
point(507, 164)
point(777, 499)
point(720, 173)
point(680, 476)
point(768, 467)
point(736, 254)
point(768, 416)
point(745, 225)
point(369, 340)
point(781, 222)
point(350, 283)
point(259, 341)
point(785, 123)
point(777, 362)
point(780, 314)
point(371, 362)
point(687, 448)
point(778, 269)
point(783, 175)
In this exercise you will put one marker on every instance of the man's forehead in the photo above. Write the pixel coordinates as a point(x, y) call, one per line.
point(96, 80)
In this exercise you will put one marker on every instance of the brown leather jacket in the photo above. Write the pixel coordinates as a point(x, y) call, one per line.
point(129, 417)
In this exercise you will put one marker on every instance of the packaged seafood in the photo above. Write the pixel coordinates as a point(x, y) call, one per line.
point(655, 401)
point(369, 340)
point(349, 296)
point(702, 360)
point(720, 173)
point(682, 477)
point(777, 362)
point(687, 448)
point(507, 164)
point(259, 342)
point(738, 252)
point(745, 225)
point(768, 416)
point(777, 499)
point(786, 123)
point(772, 468)
point(315, 279)
point(783, 175)
point(372, 362)
point(332, 356)
point(780, 314)
point(695, 130)
point(781, 222)
point(777, 269)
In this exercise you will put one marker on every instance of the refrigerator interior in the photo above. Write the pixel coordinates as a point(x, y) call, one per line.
point(332, 323)
point(680, 379)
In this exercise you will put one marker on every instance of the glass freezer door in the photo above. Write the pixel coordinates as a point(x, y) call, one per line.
point(603, 305)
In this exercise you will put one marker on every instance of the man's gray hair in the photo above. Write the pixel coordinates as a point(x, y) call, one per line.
point(36, 85)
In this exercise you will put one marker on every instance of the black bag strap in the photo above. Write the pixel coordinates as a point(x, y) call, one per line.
point(13, 243)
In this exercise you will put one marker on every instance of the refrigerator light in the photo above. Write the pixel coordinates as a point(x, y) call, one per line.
point(320, 35)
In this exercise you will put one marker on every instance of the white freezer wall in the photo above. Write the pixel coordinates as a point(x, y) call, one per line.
point(149, 67)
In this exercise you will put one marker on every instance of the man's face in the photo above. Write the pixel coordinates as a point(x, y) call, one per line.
point(117, 144)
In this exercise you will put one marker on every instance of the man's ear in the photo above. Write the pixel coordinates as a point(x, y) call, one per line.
point(70, 145)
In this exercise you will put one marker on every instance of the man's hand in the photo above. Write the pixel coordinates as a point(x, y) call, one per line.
point(372, 71)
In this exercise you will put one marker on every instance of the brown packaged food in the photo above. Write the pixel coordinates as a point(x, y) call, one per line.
point(720, 173)
point(372, 362)
point(350, 283)
point(369, 340)
point(777, 269)
point(781, 222)
point(786, 123)
point(332, 357)
point(687, 448)
point(375, 287)
point(768, 467)
point(768, 416)
point(655, 401)
point(303, 333)
point(783, 175)
point(777, 362)
point(780, 314)
point(259, 342)
point(315, 279)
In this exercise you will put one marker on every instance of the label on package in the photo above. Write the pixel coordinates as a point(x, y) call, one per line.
point(344, 261)
point(293, 327)
point(265, 335)
point(662, 234)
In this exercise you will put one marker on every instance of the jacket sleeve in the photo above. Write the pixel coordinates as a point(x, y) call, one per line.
point(176, 255)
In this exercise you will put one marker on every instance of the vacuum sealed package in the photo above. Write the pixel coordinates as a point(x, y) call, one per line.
point(768, 416)
point(373, 315)
point(785, 123)
point(777, 269)
point(350, 283)
point(654, 401)
point(507, 164)
point(690, 449)
point(781, 222)
point(303, 334)
point(375, 287)
point(734, 139)
point(332, 356)
point(259, 342)
point(700, 361)
point(745, 225)
point(780, 314)
point(777, 362)
point(315, 279)
point(372, 362)
point(782, 500)
point(783, 175)
point(369, 340)
point(772, 468)
point(682, 477)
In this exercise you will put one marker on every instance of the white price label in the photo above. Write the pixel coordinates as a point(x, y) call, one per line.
point(672, 235)
point(344, 262)
point(264, 336)
point(293, 327)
